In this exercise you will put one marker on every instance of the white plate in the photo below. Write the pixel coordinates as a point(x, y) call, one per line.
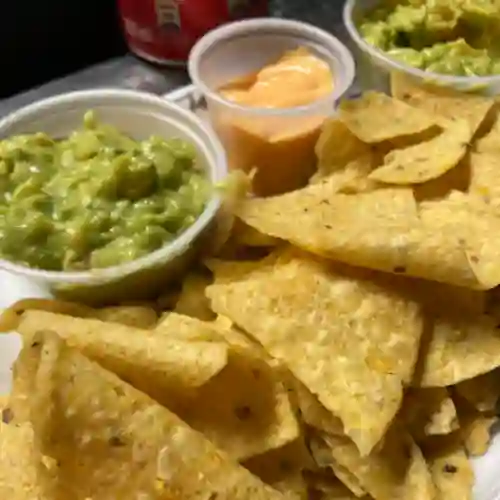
point(14, 288)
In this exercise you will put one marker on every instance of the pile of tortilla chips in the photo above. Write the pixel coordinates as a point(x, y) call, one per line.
point(343, 341)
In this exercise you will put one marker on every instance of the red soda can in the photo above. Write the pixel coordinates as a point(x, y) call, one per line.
point(163, 31)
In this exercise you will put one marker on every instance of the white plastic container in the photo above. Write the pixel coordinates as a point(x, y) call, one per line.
point(139, 115)
point(375, 67)
point(242, 48)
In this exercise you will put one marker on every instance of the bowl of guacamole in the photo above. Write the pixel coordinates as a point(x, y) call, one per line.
point(104, 194)
point(451, 43)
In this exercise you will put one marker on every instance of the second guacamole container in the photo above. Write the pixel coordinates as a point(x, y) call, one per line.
point(374, 67)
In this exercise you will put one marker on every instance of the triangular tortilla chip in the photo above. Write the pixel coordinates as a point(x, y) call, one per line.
point(442, 102)
point(148, 359)
point(245, 410)
point(450, 241)
point(23, 473)
point(427, 160)
point(459, 348)
point(397, 470)
point(112, 441)
point(376, 117)
point(321, 335)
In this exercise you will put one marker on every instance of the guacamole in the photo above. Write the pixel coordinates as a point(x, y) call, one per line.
point(453, 37)
point(96, 198)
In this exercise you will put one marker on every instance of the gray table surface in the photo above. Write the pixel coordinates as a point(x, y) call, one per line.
point(131, 73)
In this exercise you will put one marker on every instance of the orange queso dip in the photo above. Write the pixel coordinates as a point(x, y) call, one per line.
point(280, 147)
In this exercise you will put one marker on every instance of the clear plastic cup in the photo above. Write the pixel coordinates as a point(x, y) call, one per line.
point(374, 67)
point(139, 115)
point(286, 160)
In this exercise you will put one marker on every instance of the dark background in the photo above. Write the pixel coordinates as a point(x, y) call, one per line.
point(44, 39)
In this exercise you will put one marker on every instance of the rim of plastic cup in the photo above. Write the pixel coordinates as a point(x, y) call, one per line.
point(338, 51)
point(217, 169)
point(381, 56)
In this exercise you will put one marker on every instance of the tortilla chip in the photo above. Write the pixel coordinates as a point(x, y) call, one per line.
point(192, 300)
point(476, 432)
point(149, 360)
point(443, 102)
point(429, 412)
point(110, 439)
point(325, 486)
point(485, 168)
point(481, 392)
point(397, 470)
point(460, 348)
point(376, 117)
point(362, 383)
point(314, 413)
point(324, 459)
point(134, 316)
point(336, 147)
point(10, 317)
point(384, 230)
point(450, 468)
point(282, 469)
point(23, 475)
point(490, 143)
point(427, 160)
point(246, 409)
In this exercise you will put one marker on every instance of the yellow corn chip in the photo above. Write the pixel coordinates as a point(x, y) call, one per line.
point(336, 147)
point(442, 102)
point(149, 360)
point(450, 468)
point(23, 475)
point(429, 412)
point(476, 432)
point(282, 469)
point(490, 143)
point(314, 413)
point(324, 459)
point(447, 241)
point(427, 160)
point(329, 487)
point(460, 348)
point(192, 300)
point(246, 409)
point(397, 470)
point(362, 382)
point(376, 117)
point(135, 316)
point(484, 169)
point(110, 440)
point(481, 392)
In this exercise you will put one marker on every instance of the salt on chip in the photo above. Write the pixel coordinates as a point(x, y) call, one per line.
point(245, 409)
point(450, 468)
point(363, 382)
point(192, 300)
point(134, 316)
point(429, 412)
point(459, 348)
point(282, 469)
point(23, 474)
point(376, 117)
point(396, 470)
point(110, 440)
point(482, 392)
point(427, 160)
point(150, 360)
